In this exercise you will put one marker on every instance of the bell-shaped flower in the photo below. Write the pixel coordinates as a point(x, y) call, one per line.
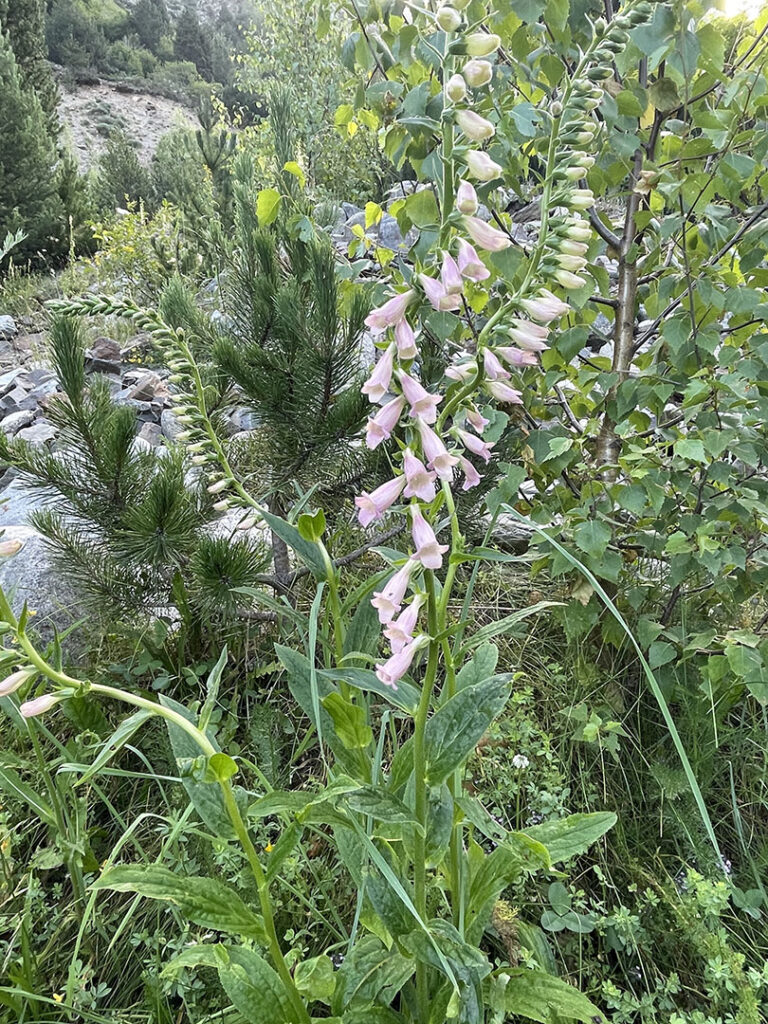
point(387, 601)
point(470, 264)
point(569, 280)
point(381, 425)
point(481, 44)
point(39, 705)
point(378, 383)
point(466, 198)
point(439, 298)
point(478, 73)
point(16, 680)
point(502, 392)
point(405, 340)
point(456, 89)
point(471, 477)
point(476, 419)
point(373, 506)
point(420, 482)
point(435, 452)
point(532, 337)
point(428, 551)
point(517, 356)
point(463, 371)
point(545, 307)
point(395, 668)
point(476, 128)
point(485, 236)
point(422, 403)
point(450, 275)
point(391, 312)
point(492, 367)
point(399, 632)
point(476, 445)
point(481, 166)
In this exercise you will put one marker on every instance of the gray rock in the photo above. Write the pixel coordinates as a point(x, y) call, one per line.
point(390, 236)
point(8, 379)
point(18, 500)
point(147, 387)
point(8, 328)
point(170, 425)
point(350, 210)
point(31, 576)
point(39, 433)
point(13, 399)
point(104, 356)
point(151, 433)
point(14, 421)
point(38, 375)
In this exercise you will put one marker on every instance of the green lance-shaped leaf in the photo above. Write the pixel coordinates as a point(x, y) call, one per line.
point(572, 836)
point(12, 784)
point(538, 996)
point(203, 901)
point(371, 973)
point(453, 732)
point(493, 872)
point(256, 991)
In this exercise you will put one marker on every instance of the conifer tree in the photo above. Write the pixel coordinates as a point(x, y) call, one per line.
point(29, 198)
point(24, 23)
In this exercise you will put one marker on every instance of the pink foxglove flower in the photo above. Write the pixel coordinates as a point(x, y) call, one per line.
point(420, 481)
point(532, 337)
point(422, 403)
point(435, 452)
point(461, 371)
point(517, 356)
point(38, 706)
point(476, 128)
point(450, 275)
point(374, 505)
point(481, 166)
point(493, 368)
point(16, 680)
point(478, 73)
point(381, 425)
point(470, 264)
point(395, 668)
point(485, 236)
point(405, 340)
point(387, 602)
point(471, 477)
point(466, 198)
point(391, 312)
point(502, 392)
point(476, 445)
point(399, 632)
point(428, 551)
point(378, 383)
point(439, 298)
point(545, 307)
point(476, 419)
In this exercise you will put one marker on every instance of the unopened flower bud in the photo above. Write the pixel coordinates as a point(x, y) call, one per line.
point(478, 73)
point(38, 706)
point(475, 127)
point(600, 28)
point(16, 680)
point(448, 18)
point(573, 248)
point(581, 199)
point(466, 198)
point(456, 89)
point(569, 280)
point(482, 167)
point(573, 263)
point(481, 44)
point(556, 108)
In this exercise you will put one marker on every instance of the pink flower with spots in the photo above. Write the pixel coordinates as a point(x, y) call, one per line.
point(422, 403)
point(420, 481)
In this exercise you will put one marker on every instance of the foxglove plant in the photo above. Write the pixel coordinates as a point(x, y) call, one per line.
point(429, 863)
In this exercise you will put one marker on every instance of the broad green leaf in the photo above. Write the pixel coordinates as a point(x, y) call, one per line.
point(204, 901)
point(571, 836)
point(267, 206)
point(315, 979)
point(455, 729)
point(348, 721)
point(293, 168)
point(538, 996)
point(370, 973)
point(308, 552)
point(380, 804)
point(593, 537)
point(405, 696)
point(254, 988)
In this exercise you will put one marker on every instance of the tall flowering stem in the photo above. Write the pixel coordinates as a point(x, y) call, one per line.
point(441, 431)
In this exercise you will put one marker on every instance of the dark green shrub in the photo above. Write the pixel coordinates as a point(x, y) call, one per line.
point(120, 178)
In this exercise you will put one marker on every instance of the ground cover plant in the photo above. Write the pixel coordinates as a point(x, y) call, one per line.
point(461, 717)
